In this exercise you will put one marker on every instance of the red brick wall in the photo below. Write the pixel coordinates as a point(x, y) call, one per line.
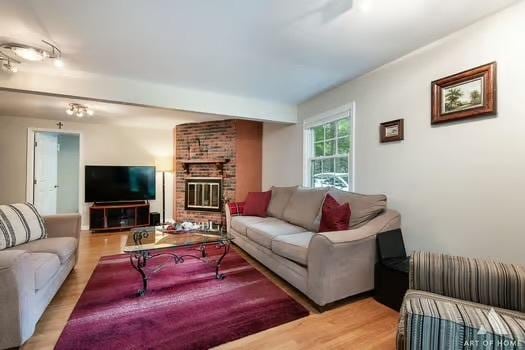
point(218, 141)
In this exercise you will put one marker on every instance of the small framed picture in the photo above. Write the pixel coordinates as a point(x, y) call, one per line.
point(469, 94)
point(391, 131)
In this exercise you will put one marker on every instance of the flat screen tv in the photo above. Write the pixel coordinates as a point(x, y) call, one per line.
point(119, 183)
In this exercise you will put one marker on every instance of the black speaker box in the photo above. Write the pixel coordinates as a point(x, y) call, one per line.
point(154, 219)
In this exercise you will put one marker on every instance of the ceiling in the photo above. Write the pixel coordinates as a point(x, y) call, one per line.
point(17, 104)
point(275, 50)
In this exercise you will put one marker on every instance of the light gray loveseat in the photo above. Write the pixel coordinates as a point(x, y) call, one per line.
point(32, 273)
point(326, 266)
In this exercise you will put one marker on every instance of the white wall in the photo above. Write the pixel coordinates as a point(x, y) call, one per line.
point(282, 155)
point(459, 186)
point(101, 145)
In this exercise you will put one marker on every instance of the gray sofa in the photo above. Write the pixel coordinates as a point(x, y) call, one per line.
point(326, 266)
point(32, 273)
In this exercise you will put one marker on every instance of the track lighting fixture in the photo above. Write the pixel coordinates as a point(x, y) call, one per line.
point(28, 53)
point(79, 110)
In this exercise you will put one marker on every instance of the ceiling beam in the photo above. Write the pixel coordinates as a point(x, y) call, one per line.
point(121, 90)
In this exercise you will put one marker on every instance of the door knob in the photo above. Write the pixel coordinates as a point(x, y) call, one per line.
point(56, 186)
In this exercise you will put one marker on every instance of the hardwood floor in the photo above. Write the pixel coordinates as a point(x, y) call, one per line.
point(361, 323)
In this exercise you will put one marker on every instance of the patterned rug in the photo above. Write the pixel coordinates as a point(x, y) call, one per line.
point(185, 307)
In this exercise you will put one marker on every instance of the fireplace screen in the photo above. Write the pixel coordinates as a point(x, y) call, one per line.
point(203, 194)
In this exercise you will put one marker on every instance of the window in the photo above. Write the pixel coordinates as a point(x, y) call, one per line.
point(329, 151)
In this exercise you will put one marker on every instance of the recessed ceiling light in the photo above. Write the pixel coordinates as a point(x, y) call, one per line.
point(364, 5)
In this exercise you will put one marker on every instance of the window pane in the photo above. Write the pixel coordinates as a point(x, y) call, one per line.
point(316, 167)
point(341, 165)
point(341, 182)
point(319, 149)
point(343, 145)
point(322, 180)
point(318, 133)
point(328, 165)
point(329, 148)
point(343, 127)
point(330, 130)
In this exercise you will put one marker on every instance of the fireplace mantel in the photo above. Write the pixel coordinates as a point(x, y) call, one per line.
point(219, 163)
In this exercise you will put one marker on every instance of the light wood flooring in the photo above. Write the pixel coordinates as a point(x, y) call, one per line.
point(361, 323)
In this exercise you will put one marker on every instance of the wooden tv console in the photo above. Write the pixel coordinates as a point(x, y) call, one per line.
point(118, 216)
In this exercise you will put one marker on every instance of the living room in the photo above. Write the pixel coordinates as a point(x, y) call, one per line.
point(265, 174)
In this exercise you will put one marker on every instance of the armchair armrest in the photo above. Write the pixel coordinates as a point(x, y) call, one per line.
point(341, 263)
point(63, 225)
point(17, 288)
point(480, 281)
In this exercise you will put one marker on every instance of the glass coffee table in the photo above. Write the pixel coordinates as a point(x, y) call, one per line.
point(148, 243)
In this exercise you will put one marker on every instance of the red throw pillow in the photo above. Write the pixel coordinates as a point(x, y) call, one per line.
point(256, 203)
point(335, 217)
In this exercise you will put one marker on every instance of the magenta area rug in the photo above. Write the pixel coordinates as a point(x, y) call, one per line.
point(185, 307)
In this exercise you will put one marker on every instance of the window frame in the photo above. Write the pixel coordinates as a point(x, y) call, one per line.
point(345, 111)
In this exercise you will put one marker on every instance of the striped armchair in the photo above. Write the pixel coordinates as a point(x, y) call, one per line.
point(462, 303)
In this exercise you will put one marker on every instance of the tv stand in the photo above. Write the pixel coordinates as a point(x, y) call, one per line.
point(118, 216)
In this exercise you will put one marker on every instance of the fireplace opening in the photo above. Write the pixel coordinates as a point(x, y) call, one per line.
point(203, 194)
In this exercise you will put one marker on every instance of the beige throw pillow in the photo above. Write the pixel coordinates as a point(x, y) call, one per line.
point(364, 207)
point(304, 207)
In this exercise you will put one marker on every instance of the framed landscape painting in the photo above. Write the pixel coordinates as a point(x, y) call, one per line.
point(391, 131)
point(468, 94)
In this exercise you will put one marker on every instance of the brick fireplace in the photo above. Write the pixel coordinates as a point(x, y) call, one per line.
point(223, 156)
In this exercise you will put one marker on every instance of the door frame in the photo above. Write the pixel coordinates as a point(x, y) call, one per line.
point(31, 162)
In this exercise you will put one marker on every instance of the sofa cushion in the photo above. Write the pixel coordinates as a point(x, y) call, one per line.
point(63, 247)
point(45, 266)
point(364, 207)
point(241, 223)
point(293, 247)
point(263, 232)
point(304, 208)
point(280, 198)
point(20, 223)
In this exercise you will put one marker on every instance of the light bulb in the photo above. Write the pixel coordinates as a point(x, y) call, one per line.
point(90, 112)
point(69, 111)
point(58, 63)
point(29, 53)
point(80, 114)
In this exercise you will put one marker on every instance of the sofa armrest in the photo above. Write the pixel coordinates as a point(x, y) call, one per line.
point(17, 288)
point(228, 216)
point(386, 221)
point(63, 225)
point(341, 263)
point(476, 280)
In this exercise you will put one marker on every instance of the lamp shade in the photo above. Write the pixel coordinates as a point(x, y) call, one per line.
point(164, 164)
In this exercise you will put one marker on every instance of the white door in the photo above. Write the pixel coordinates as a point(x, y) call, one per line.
point(46, 164)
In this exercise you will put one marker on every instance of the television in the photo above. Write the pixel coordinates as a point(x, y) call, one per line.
point(119, 183)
